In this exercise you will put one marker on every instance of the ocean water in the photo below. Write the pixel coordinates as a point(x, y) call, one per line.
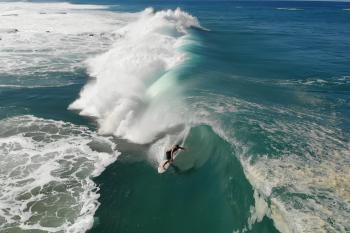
point(92, 93)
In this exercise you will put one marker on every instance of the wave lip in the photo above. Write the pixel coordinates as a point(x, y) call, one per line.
point(134, 93)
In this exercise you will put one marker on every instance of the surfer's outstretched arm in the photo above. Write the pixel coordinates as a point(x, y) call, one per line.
point(174, 150)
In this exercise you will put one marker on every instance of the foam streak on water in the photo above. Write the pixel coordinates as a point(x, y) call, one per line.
point(46, 168)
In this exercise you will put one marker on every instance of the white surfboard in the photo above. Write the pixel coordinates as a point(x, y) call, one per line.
point(162, 168)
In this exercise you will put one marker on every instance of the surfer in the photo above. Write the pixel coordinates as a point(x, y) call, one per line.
point(170, 153)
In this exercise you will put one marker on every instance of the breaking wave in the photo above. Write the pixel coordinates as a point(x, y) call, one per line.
point(134, 92)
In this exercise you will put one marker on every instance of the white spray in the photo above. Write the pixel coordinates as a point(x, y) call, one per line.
point(134, 93)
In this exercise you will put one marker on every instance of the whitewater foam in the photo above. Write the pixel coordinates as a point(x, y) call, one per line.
point(302, 167)
point(289, 9)
point(134, 93)
point(41, 39)
point(45, 174)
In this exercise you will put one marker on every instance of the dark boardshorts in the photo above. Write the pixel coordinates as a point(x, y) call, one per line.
point(168, 154)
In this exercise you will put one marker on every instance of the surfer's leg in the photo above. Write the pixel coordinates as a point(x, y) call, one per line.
point(168, 161)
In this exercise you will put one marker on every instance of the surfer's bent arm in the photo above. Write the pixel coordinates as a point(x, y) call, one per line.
point(173, 151)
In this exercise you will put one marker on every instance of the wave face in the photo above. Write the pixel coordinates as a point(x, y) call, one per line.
point(134, 93)
point(45, 175)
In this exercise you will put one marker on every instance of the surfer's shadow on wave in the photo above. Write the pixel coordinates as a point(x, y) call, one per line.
point(175, 169)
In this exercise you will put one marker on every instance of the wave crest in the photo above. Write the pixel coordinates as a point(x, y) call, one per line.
point(134, 92)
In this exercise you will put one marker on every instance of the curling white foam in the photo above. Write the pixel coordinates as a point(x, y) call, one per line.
point(304, 175)
point(41, 38)
point(134, 93)
point(45, 175)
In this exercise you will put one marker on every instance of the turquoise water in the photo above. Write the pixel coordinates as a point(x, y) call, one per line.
point(208, 197)
point(258, 93)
